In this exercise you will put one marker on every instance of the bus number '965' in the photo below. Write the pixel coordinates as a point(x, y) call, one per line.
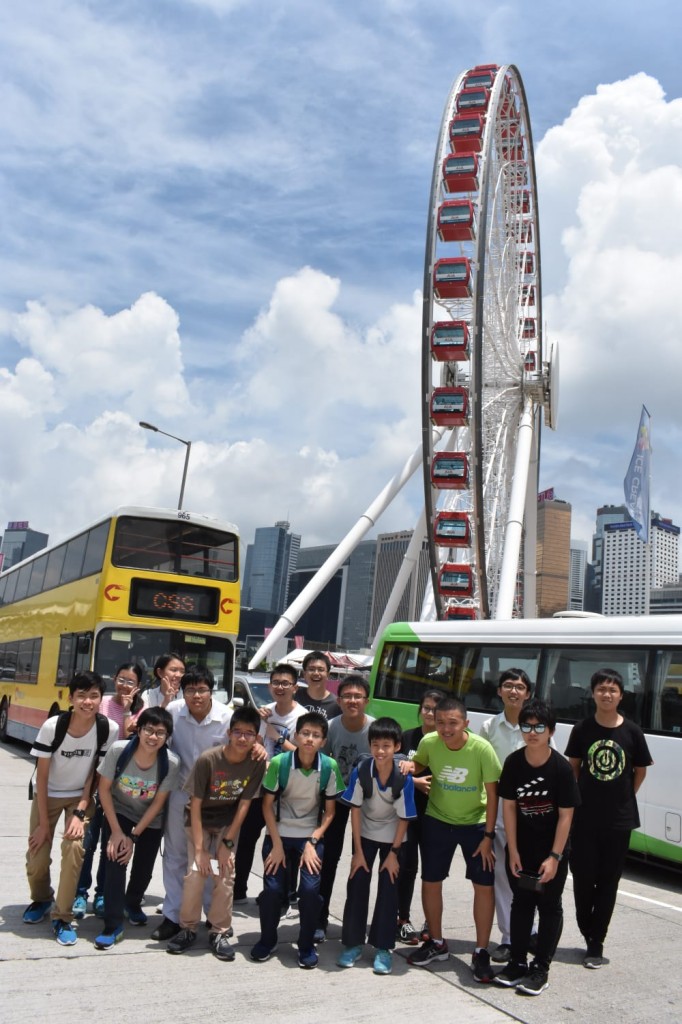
point(183, 515)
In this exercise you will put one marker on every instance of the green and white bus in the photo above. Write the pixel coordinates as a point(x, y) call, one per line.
point(560, 655)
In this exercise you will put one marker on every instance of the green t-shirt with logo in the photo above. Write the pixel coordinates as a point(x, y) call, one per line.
point(458, 795)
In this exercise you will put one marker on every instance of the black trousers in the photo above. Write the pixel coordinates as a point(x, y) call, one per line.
point(116, 895)
point(333, 846)
point(597, 861)
point(550, 917)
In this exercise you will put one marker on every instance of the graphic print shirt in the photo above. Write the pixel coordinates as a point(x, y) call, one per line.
point(135, 788)
point(220, 785)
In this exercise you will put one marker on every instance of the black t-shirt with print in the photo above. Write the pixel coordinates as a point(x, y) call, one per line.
point(608, 760)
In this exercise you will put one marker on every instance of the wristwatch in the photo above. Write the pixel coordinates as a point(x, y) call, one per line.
point(132, 835)
point(395, 850)
point(557, 856)
point(79, 814)
point(489, 835)
point(313, 841)
point(229, 843)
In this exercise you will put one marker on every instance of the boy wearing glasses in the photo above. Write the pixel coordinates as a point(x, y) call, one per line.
point(502, 731)
point(609, 756)
point(133, 792)
point(279, 718)
point(221, 786)
point(199, 722)
point(538, 793)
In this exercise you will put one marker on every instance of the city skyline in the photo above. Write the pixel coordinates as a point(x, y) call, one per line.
point(224, 236)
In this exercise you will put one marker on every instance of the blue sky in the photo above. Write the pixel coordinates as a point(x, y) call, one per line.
point(213, 218)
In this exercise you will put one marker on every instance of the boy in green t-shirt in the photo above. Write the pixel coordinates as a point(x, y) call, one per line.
point(461, 811)
point(300, 788)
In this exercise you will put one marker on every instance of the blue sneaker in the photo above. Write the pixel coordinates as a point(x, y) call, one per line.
point(307, 959)
point(98, 905)
point(109, 938)
point(64, 933)
point(260, 952)
point(383, 961)
point(80, 907)
point(135, 915)
point(37, 911)
point(348, 956)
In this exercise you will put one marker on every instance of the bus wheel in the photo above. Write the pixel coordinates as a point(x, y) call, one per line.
point(4, 716)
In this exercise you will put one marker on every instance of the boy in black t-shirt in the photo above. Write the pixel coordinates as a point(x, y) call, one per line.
point(538, 792)
point(609, 756)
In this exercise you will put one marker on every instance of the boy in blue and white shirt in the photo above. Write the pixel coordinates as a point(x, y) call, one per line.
point(381, 799)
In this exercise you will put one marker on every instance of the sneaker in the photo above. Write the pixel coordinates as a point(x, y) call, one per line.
point(348, 956)
point(64, 933)
point(135, 915)
point(98, 906)
point(502, 954)
point(181, 941)
point(424, 933)
point(319, 936)
point(307, 959)
point(37, 911)
point(383, 961)
point(407, 934)
point(511, 975)
point(109, 938)
point(480, 965)
point(166, 930)
point(228, 931)
point(428, 952)
point(260, 952)
point(220, 946)
point(79, 907)
point(239, 901)
point(593, 959)
point(534, 983)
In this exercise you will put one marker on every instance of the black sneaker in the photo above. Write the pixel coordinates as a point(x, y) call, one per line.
point(182, 941)
point(480, 966)
point(407, 933)
point(220, 946)
point(502, 954)
point(593, 957)
point(428, 952)
point(511, 975)
point(166, 930)
point(534, 983)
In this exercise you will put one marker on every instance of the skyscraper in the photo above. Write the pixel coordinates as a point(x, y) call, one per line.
point(578, 566)
point(630, 568)
point(270, 561)
point(19, 542)
point(391, 548)
point(553, 556)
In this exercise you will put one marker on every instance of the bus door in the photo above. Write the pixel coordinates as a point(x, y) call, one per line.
point(75, 651)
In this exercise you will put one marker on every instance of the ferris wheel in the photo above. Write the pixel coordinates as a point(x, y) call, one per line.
point(485, 373)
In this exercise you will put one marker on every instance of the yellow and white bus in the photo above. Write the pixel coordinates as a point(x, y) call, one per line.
point(132, 586)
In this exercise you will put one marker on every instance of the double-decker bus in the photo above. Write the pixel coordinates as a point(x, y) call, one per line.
point(560, 655)
point(130, 587)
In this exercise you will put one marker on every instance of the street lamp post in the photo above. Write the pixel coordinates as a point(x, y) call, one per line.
point(188, 445)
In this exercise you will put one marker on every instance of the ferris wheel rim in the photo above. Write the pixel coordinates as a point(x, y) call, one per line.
point(507, 82)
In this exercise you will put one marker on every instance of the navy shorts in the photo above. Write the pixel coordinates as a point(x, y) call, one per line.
point(437, 845)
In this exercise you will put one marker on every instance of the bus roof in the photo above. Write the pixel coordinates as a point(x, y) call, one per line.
point(604, 629)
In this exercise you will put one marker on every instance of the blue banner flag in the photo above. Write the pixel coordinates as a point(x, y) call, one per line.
point(636, 483)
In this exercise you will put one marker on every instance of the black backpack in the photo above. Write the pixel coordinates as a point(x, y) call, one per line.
point(364, 767)
point(60, 731)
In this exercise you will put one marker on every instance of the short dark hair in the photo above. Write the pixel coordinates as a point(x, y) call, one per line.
point(195, 675)
point(156, 716)
point(354, 679)
point(385, 729)
point(452, 704)
point(86, 681)
point(540, 709)
point(312, 718)
point(316, 656)
point(515, 673)
point(283, 667)
point(245, 716)
point(607, 675)
point(436, 695)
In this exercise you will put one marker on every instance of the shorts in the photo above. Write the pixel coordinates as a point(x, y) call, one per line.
point(437, 846)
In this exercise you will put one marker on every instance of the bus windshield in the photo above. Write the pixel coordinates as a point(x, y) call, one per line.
point(159, 545)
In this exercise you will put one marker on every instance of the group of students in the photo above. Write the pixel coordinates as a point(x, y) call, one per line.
point(209, 779)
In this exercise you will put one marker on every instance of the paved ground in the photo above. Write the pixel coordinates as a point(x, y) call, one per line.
point(137, 981)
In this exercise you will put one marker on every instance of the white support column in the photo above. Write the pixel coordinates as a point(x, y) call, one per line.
point(504, 605)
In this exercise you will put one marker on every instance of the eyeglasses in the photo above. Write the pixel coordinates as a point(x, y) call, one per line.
point(239, 735)
point(277, 685)
point(352, 696)
point(150, 731)
point(428, 709)
point(538, 727)
point(607, 690)
point(514, 686)
point(199, 691)
point(125, 682)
